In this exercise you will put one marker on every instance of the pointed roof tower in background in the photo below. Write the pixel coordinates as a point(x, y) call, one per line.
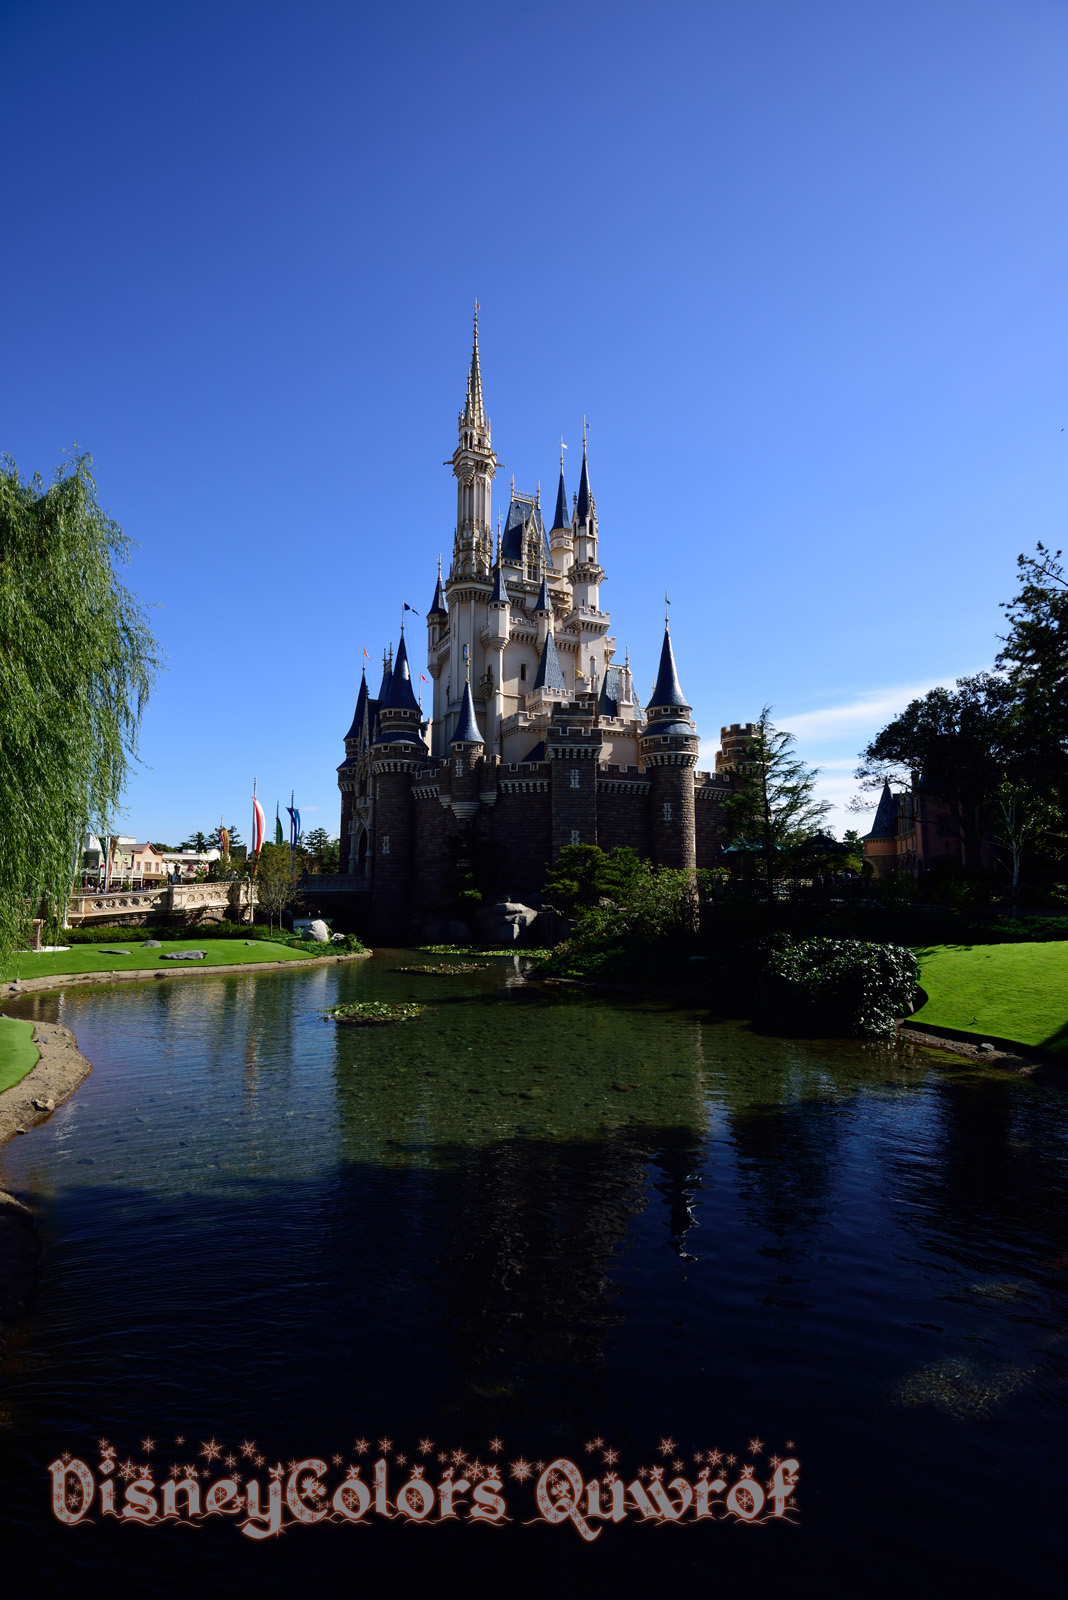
point(560, 517)
point(668, 691)
point(585, 499)
point(361, 707)
point(474, 412)
point(467, 731)
point(438, 607)
point(550, 674)
point(400, 696)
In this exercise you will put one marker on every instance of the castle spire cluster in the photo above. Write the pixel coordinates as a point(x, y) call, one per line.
point(535, 734)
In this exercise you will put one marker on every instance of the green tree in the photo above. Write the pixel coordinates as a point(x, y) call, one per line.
point(77, 663)
point(773, 807)
point(583, 875)
point(1035, 664)
point(323, 851)
point(196, 841)
point(277, 882)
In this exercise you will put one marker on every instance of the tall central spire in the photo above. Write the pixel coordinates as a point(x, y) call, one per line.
point(473, 463)
point(474, 409)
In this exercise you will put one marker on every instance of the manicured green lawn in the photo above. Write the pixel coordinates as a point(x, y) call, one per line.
point(1015, 991)
point(91, 957)
point(18, 1053)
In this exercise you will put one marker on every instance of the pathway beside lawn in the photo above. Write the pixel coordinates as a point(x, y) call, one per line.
point(1007, 991)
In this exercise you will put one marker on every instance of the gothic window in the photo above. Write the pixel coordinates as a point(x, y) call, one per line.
point(575, 836)
point(667, 810)
point(575, 780)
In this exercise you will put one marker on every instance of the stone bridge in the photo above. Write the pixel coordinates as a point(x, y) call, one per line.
point(171, 902)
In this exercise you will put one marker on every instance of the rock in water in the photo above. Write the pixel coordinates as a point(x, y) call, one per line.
point(184, 955)
point(318, 931)
point(505, 922)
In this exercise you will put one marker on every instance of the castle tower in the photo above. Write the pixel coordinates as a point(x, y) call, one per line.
point(466, 747)
point(586, 574)
point(397, 753)
point(669, 754)
point(498, 632)
point(473, 463)
point(561, 541)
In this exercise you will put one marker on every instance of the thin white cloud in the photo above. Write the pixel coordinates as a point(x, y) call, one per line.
point(856, 717)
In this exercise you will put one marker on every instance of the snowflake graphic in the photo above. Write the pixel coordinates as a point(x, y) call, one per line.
point(521, 1470)
point(336, 1460)
point(248, 1448)
point(611, 1457)
point(231, 1460)
point(148, 1445)
point(496, 1446)
point(666, 1447)
point(425, 1446)
point(361, 1447)
point(210, 1450)
point(755, 1446)
point(385, 1445)
point(179, 1438)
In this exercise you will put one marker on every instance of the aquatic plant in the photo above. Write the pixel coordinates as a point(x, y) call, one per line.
point(374, 1013)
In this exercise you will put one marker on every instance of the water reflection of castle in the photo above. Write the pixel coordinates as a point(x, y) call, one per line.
point(536, 735)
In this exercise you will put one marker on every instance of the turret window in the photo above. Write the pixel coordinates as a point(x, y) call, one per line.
point(575, 780)
point(522, 672)
point(667, 811)
point(575, 836)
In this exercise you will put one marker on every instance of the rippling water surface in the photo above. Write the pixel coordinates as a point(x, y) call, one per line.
point(545, 1217)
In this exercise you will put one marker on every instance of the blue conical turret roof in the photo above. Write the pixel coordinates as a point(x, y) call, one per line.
point(561, 519)
point(400, 696)
point(467, 724)
point(582, 509)
point(387, 673)
point(668, 691)
point(361, 707)
point(500, 588)
point(550, 674)
point(544, 603)
point(885, 824)
point(438, 607)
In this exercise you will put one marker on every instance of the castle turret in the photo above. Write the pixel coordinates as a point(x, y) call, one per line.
point(398, 753)
point(466, 747)
point(543, 615)
point(586, 574)
point(668, 744)
point(498, 629)
point(474, 464)
point(561, 540)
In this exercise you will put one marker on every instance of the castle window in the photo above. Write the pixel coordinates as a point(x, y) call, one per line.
point(575, 836)
point(522, 672)
point(575, 780)
point(667, 810)
point(383, 848)
point(459, 766)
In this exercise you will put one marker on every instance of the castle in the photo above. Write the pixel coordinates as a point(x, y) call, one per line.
point(536, 738)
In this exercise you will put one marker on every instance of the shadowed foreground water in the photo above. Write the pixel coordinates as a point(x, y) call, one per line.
point(549, 1218)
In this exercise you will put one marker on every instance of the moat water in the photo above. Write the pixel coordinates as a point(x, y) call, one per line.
point(545, 1218)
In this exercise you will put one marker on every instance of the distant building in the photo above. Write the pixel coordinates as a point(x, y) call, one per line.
point(916, 832)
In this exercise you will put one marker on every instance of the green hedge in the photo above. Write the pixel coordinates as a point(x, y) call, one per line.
point(848, 988)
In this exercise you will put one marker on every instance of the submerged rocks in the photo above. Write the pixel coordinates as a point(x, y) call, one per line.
point(506, 922)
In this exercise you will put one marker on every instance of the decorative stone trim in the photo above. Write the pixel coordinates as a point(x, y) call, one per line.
point(524, 785)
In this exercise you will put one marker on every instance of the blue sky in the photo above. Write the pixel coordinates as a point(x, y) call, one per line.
point(802, 266)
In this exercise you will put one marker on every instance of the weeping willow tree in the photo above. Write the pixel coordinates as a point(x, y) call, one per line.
point(77, 661)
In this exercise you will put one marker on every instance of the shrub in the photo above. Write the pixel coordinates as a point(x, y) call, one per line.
point(833, 987)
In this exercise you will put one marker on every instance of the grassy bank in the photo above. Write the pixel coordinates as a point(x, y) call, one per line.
point(94, 958)
point(1013, 991)
point(18, 1053)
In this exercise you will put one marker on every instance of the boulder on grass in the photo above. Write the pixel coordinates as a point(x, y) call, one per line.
point(184, 955)
point(318, 932)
